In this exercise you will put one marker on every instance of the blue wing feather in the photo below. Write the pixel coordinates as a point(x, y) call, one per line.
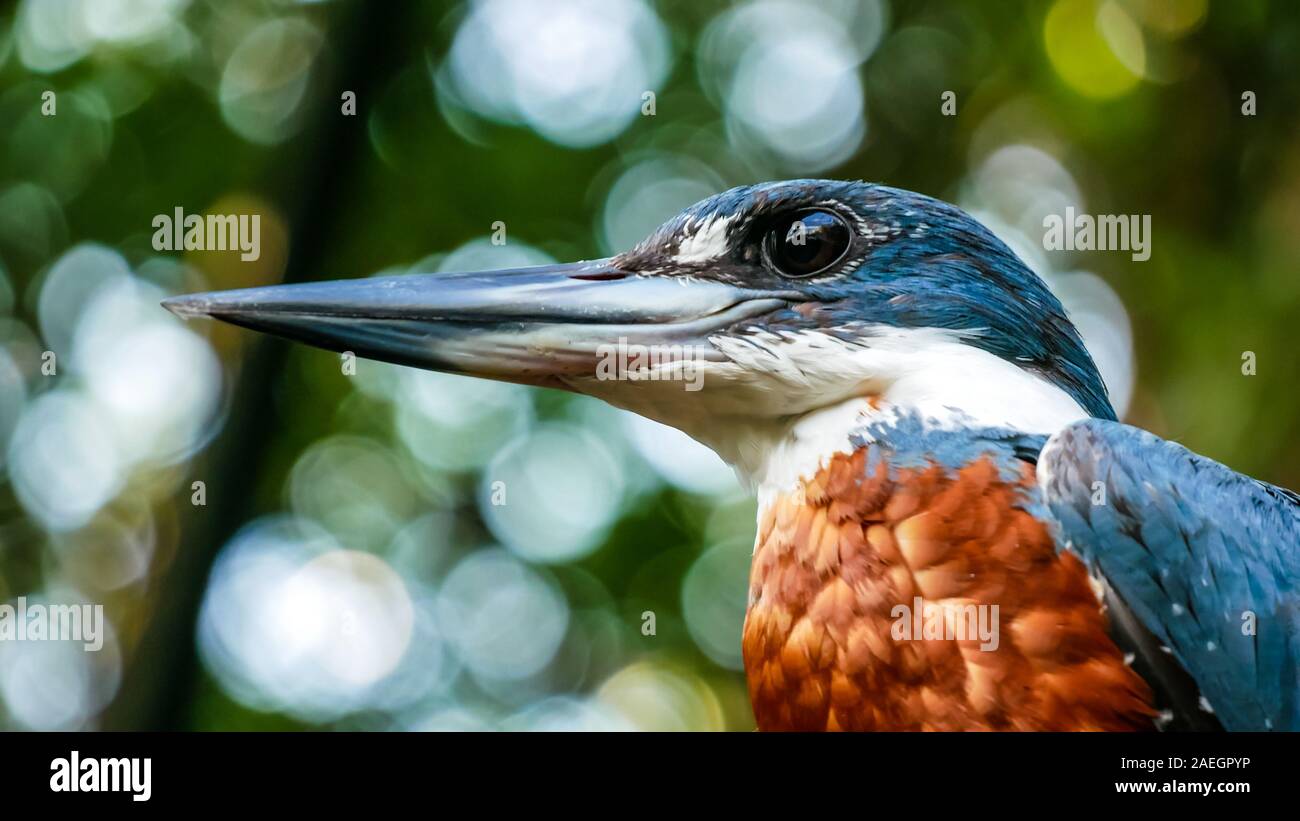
point(1207, 559)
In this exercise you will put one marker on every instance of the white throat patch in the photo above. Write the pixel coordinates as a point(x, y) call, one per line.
point(785, 403)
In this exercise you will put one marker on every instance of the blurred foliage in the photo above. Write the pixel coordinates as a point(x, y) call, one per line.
point(349, 568)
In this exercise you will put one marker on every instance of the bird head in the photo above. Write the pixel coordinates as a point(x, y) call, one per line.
point(735, 320)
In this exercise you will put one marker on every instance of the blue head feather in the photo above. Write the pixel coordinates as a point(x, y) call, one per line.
point(915, 262)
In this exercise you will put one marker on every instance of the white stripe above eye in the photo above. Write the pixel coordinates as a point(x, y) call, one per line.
point(707, 242)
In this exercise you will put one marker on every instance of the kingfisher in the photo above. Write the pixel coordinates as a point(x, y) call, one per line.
point(954, 531)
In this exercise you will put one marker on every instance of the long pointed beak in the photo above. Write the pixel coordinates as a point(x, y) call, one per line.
point(543, 325)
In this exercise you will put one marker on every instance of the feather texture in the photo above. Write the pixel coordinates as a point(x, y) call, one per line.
point(880, 529)
point(1207, 560)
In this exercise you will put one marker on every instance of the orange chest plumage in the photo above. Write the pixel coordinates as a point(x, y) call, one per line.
point(926, 599)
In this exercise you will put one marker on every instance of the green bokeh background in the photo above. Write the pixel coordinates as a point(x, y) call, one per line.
point(142, 127)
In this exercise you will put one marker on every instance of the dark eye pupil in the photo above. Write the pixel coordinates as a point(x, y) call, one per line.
point(807, 242)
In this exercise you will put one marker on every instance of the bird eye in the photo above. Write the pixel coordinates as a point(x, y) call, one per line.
point(807, 242)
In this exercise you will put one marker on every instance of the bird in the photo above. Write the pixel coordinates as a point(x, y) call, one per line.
point(954, 531)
